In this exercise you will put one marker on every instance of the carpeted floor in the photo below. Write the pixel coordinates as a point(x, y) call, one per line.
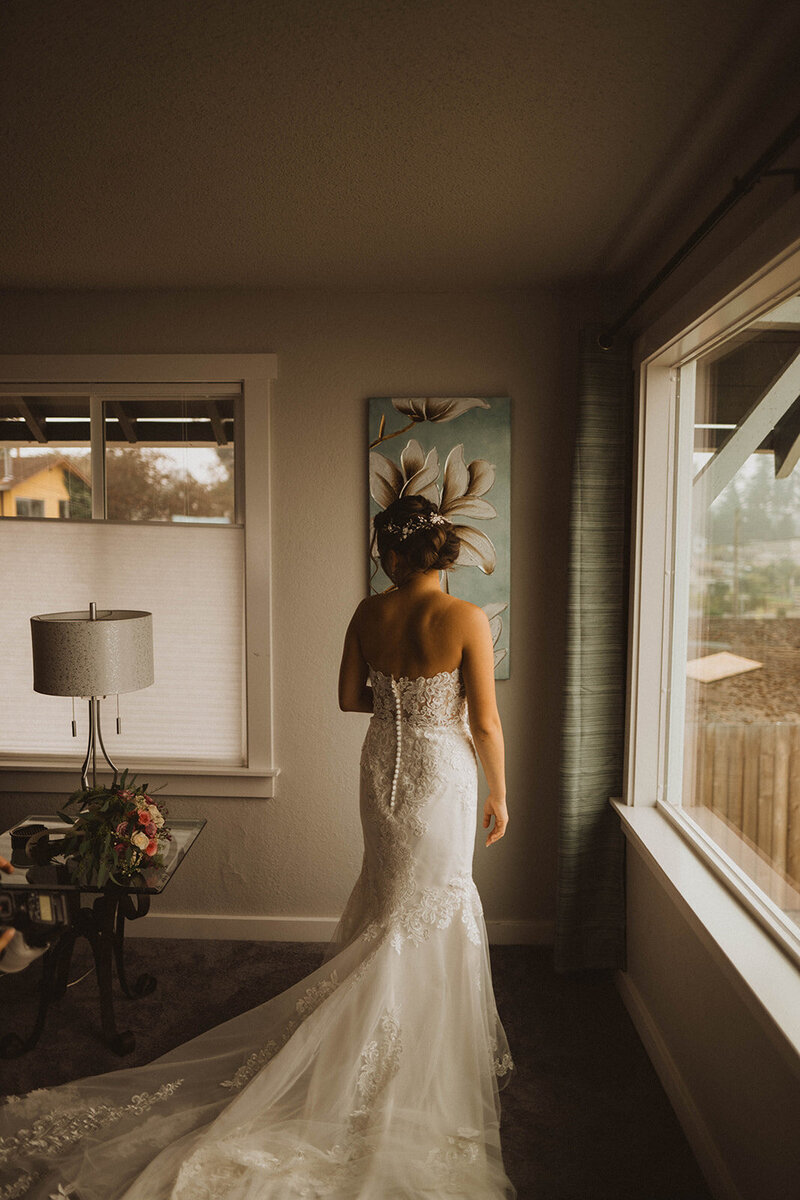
point(584, 1118)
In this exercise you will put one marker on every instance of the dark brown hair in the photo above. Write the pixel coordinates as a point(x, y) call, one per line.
point(428, 548)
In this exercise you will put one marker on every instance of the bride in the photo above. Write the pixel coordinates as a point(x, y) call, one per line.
point(377, 1076)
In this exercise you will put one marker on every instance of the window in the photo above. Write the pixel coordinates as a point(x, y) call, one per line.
point(29, 508)
point(714, 716)
point(144, 474)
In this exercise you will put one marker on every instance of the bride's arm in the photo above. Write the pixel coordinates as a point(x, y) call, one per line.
point(354, 695)
point(477, 669)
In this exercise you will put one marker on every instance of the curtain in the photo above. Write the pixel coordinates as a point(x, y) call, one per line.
point(590, 915)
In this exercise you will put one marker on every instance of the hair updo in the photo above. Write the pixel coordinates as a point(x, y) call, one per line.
point(427, 548)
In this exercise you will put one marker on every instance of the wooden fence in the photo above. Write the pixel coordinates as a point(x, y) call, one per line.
point(750, 776)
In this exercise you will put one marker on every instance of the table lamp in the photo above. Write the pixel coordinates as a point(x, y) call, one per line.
point(92, 655)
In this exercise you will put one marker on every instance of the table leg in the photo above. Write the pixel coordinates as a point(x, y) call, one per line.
point(99, 929)
point(145, 984)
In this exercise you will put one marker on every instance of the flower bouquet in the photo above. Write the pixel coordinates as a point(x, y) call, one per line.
point(115, 832)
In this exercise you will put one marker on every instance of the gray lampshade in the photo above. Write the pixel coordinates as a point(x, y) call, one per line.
point(74, 655)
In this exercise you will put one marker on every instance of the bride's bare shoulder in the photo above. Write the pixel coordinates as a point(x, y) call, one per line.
point(463, 611)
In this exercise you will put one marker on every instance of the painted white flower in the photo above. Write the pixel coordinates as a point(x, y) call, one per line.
point(437, 408)
point(493, 611)
point(156, 815)
point(464, 487)
point(140, 840)
point(416, 475)
point(462, 497)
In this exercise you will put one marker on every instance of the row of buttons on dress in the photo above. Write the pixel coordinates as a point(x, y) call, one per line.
point(399, 730)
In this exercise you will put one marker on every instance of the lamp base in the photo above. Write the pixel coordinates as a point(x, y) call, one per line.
point(95, 738)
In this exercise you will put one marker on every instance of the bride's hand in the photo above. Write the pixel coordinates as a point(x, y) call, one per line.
point(495, 808)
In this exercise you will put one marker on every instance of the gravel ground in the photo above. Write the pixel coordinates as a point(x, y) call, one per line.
point(769, 693)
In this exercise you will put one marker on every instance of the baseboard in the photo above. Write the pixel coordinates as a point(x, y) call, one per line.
point(692, 1122)
point(212, 926)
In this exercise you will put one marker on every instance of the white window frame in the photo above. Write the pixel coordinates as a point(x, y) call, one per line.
point(653, 776)
point(253, 373)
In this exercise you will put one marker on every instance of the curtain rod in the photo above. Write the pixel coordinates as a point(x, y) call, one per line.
point(740, 187)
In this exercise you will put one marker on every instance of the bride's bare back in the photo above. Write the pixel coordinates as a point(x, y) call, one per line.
point(412, 634)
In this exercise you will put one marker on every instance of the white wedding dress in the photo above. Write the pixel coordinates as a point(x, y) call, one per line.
point(375, 1078)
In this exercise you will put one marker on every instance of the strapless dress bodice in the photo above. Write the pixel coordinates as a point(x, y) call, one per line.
point(429, 700)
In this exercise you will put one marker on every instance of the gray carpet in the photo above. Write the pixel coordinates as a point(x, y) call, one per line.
point(585, 1117)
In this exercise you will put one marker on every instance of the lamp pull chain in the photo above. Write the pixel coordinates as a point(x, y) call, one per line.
point(119, 722)
point(74, 726)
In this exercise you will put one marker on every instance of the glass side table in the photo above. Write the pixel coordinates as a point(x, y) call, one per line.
point(51, 897)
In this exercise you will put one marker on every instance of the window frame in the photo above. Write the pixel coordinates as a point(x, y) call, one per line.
point(653, 773)
point(254, 374)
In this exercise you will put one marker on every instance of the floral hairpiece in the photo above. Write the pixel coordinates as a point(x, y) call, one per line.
point(414, 523)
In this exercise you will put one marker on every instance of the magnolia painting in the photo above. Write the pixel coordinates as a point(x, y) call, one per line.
point(455, 451)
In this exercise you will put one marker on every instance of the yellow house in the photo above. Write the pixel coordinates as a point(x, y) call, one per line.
point(36, 486)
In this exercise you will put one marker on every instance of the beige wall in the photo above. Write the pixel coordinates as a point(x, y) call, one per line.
point(299, 854)
point(743, 1096)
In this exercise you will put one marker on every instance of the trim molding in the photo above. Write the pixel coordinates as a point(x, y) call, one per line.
point(698, 1135)
point(221, 927)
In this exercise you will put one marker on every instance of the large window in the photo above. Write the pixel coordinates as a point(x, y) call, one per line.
point(741, 779)
point(715, 703)
point(139, 484)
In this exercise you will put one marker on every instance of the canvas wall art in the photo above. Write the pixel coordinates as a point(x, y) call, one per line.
point(456, 451)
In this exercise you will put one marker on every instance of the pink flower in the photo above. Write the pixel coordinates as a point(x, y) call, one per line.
point(126, 795)
point(150, 829)
point(152, 846)
point(122, 827)
point(144, 817)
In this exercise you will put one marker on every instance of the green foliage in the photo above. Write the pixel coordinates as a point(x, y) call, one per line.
point(80, 494)
point(144, 485)
point(107, 823)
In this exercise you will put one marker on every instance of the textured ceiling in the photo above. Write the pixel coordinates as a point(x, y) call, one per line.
point(362, 143)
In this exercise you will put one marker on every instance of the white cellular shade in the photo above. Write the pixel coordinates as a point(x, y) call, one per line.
point(189, 577)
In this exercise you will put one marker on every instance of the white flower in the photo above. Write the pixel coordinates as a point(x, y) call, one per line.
point(437, 408)
point(416, 475)
point(140, 840)
point(155, 815)
point(464, 487)
point(493, 611)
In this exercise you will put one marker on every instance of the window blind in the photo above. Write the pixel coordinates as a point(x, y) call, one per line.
point(190, 577)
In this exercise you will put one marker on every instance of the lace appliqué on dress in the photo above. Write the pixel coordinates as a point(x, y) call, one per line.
point(20, 1187)
point(435, 909)
point(210, 1172)
point(503, 1065)
point(259, 1058)
point(459, 1153)
point(380, 1062)
point(59, 1128)
point(315, 995)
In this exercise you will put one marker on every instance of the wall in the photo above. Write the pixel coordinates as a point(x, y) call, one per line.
point(737, 1097)
point(298, 855)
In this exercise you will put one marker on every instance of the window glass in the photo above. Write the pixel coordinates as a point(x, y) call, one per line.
point(44, 457)
point(741, 778)
point(170, 460)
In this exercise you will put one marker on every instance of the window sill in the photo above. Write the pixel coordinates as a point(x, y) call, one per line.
point(764, 975)
point(173, 778)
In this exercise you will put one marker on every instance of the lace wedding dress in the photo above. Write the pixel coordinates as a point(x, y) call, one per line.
point(375, 1078)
